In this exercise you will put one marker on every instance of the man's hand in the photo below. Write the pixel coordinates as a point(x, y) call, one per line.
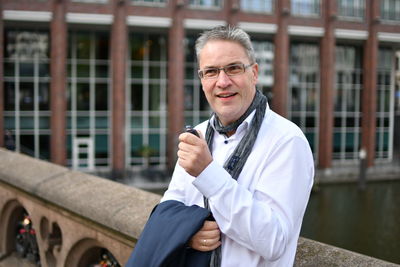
point(193, 154)
point(207, 238)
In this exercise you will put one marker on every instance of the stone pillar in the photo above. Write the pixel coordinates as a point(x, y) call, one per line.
point(369, 93)
point(58, 31)
point(176, 70)
point(327, 86)
point(119, 43)
point(1, 77)
point(281, 60)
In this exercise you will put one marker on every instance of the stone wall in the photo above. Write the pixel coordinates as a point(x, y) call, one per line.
point(75, 215)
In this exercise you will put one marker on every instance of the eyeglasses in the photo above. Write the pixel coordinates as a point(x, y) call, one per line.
point(230, 70)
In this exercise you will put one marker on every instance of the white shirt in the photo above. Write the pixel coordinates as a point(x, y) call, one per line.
point(260, 214)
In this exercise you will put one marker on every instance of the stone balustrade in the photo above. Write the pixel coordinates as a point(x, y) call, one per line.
point(76, 216)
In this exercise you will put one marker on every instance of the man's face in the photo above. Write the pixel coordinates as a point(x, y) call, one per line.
point(228, 96)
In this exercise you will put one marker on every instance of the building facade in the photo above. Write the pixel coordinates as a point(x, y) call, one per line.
point(109, 84)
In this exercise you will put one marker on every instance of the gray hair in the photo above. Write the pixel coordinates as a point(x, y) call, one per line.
point(226, 33)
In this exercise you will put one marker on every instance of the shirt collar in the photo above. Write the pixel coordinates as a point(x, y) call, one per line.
point(242, 127)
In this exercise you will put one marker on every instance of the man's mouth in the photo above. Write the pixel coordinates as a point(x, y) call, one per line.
point(226, 95)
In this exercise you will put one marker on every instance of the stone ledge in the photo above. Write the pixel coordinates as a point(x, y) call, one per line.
point(311, 253)
point(106, 202)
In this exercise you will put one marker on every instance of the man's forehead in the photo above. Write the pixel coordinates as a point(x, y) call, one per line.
point(222, 52)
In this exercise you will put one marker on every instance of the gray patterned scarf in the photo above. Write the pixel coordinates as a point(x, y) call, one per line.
point(234, 164)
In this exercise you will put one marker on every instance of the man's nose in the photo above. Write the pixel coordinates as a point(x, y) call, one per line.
point(223, 80)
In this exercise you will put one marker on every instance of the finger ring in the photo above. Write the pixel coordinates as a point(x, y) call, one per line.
point(205, 242)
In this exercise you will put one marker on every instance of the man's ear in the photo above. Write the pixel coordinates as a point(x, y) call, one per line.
point(254, 69)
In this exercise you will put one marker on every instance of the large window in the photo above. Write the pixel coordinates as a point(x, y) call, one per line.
point(390, 10)
point(385, 104)
point(306, 7)
point(304, 90)
point(261, 6)
point(88, 115)
point(347, 111)
point(26, 91)
point(205, 3)
point(351, 9)
point(146, 97)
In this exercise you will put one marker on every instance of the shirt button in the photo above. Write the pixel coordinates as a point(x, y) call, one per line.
point(226, 142)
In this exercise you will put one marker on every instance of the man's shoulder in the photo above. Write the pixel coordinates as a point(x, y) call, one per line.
point(277, 124)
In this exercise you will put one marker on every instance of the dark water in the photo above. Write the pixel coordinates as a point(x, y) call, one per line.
point(367, 221)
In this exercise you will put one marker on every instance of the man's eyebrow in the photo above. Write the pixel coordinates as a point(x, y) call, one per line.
point(229, 64)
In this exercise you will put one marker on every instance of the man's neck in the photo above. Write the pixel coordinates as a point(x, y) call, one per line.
point(229, 134)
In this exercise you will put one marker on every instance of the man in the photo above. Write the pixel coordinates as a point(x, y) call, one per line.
point(252, 168)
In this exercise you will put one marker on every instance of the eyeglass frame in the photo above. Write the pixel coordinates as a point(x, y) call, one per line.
point(201, 75)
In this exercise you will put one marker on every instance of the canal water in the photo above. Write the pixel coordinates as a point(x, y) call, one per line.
point(366, 221)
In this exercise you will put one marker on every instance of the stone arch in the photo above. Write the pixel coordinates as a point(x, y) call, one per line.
point(51, 235)
point(84, 253)
point(12, 212)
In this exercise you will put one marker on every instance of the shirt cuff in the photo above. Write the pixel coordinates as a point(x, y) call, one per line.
point(211, 179)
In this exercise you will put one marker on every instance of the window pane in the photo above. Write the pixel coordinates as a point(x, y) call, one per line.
point(306, 7)
point(9, 95)
point(136, 71)
point(137, 122)
point(205, 3)
point(265, 6)
point(136, 97)
point(351, 9)
point(102, 122)
point(102, 70)
point(101, 146)
point(148, 2)
point(83, 70)
point(26, 69)
point(137, 47)
point(390, 10)
point(27, 122)
point(154, 122)
point(154, 97)
point(101, 96)
point(102, 46)
point(27, 145)
point(26, 45)
point(44, 146)
point(83, 122)
point(136, 144)
point(91, 1)
point(82, 96)
point(83, 46)
point(26, 96)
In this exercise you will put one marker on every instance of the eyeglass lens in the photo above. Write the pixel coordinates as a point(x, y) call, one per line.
point(230, 70)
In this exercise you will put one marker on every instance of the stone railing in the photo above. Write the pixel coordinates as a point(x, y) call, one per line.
point(77, 216)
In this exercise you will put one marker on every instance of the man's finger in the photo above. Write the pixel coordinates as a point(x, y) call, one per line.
point(210, 225)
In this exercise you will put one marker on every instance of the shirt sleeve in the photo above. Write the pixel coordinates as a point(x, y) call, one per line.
point(265, 220)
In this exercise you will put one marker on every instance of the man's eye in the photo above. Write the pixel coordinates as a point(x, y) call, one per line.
point(234, 69)
point(210, 72)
